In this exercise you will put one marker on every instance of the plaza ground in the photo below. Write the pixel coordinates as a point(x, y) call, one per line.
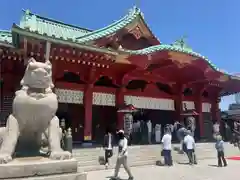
point(205, 170)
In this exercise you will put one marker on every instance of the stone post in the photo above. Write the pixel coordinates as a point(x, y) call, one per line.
point(68, 140)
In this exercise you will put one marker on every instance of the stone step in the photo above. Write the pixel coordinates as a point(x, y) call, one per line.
point(146, 155)
point(112, 166)
point(115, 156)
point(91, 151)
point(114, 159)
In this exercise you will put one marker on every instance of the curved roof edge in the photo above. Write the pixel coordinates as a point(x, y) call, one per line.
point(162, 47)
point(6, 36)
point(177, 48)
point(112, 28)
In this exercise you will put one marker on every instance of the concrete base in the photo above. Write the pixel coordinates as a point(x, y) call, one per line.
point(36, 166)
point(87, 144)
point(74, 176)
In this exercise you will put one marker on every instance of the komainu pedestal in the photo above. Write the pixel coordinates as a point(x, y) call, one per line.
point(38, 166)
point(31, 125)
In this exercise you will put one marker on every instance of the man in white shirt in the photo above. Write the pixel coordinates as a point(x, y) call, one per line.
point(190, 148)
point(167, 147)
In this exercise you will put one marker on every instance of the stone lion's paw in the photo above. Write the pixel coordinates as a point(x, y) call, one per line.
point(61, 155)
point(5, 158)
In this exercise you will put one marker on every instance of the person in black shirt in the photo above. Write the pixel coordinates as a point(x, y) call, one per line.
point(108, 146)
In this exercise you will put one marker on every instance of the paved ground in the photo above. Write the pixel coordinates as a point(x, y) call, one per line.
point(205, 170)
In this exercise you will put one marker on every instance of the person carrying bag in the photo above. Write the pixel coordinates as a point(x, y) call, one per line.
point(108, 146)
point(122, 156)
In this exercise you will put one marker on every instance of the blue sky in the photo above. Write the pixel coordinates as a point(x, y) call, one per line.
point(212, 26)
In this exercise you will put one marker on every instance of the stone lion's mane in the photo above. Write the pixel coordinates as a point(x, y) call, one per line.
point(27, 78)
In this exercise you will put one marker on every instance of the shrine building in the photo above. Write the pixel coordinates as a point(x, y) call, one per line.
point(96, 71)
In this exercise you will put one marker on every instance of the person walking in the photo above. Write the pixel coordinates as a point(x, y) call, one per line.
point(149, 127)
point(108, 146)
point(216, 129)
point(180, 132)
point(122, 158)
point(167, 147)
point(220, 151)
point(190, 147)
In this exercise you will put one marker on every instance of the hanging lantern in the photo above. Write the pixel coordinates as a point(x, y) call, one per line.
point(190, 113)
point(127, 108)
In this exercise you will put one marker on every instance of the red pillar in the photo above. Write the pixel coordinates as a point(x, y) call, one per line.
point(178, 103)
point(88, 96)
point(120, 101)
point(198, 104)
point(215, 110)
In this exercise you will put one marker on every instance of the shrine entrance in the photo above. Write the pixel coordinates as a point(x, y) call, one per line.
point(208, 126)
point(73, 115)
point(103, 118)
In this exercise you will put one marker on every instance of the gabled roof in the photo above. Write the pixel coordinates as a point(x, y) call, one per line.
point(50, 27)
point(133, 15)
point(45, 28)
point(69, 42)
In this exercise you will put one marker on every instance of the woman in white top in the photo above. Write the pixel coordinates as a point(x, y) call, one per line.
point(122, 156)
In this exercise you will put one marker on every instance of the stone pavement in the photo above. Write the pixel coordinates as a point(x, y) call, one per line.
point(205, 170)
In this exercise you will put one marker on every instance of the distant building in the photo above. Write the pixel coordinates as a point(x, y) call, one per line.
point(233, 109)
point(237, 98)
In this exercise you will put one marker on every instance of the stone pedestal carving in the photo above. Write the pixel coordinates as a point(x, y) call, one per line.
point(32, 126)
point(36, 166)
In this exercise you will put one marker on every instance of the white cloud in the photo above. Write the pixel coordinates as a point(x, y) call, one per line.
point(225, 101)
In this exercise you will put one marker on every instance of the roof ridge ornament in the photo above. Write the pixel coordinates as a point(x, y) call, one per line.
point(27, 12)
point(181, 43)
point(133, 10)
point(28, 20)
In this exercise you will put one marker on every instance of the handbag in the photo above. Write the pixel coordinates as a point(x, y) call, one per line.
point(101, 160)
point(162, 153)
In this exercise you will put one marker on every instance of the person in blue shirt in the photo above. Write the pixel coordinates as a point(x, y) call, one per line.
point(220, 151)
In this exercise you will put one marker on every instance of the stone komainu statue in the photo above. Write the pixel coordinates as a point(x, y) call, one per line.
point(33, 120)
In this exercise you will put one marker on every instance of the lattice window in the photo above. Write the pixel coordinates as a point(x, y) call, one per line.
point(150, 103)
point(103, 99)
point(206, 107)
point(190, 105)
point(69, 96)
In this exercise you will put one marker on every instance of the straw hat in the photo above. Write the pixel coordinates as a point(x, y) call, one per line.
point(120, 131)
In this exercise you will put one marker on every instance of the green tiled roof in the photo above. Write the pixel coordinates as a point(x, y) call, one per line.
point(112, 28)
point(27, 32)
point(50, 27)
point(5, 36)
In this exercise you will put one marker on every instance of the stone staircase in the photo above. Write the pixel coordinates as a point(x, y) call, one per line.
point(144, 155)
